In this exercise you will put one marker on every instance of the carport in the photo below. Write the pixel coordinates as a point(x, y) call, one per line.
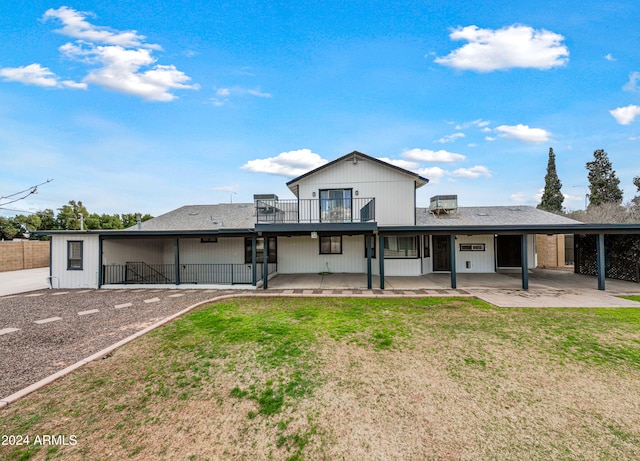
point(521, 231)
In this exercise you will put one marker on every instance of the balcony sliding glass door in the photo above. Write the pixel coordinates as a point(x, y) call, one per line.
point(335, 205)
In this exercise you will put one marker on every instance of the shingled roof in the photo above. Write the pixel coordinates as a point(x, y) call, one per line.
point(203, 217)
point(491, 215)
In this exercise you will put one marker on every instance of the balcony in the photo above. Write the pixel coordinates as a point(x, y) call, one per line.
point(343, 210)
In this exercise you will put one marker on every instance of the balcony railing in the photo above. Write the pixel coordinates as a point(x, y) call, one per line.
point(150, 274)
point(347, 210)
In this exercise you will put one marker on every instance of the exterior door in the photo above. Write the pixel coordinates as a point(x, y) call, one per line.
point(508, 251)
point(441, 253)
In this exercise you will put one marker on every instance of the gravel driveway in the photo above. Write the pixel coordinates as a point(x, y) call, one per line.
point(45, 331)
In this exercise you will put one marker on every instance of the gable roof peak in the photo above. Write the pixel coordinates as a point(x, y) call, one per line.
point(355, 154)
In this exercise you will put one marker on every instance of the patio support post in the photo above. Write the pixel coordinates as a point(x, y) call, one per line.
point(368, 239)
point(176, 252)
point(254, 274)
point(524, 262)
point(381, 259)
point(452, 249)
point(600, 259)
point(265, 262)
point(100, 275)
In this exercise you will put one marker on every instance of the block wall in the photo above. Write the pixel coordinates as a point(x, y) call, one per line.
point(27, 254)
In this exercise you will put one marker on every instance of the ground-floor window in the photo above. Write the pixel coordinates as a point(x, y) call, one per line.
point(425, 247)
point(331, 244)
point(401, 247)
point(74, 255)
point(273, 250)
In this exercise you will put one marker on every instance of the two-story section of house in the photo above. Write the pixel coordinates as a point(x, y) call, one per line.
point(332, 224)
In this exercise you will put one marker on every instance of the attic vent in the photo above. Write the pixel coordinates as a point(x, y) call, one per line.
point(515, 209)
point(194, 213)
point(482, 213)
point(443, 204)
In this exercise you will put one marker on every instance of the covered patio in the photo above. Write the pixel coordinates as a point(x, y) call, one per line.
point(539, 279)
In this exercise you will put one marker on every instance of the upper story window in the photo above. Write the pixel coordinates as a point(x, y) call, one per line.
point(336, 205)
point(74, 255)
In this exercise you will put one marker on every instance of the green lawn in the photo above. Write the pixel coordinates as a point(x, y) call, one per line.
point(314, 378)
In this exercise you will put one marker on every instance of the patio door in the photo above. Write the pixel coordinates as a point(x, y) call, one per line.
point(508, 251)
point(441, 253)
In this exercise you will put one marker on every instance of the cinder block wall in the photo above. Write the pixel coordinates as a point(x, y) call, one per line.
point(27, 254)
point(550, 250)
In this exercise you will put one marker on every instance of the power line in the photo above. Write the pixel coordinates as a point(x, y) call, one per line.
point(27, 192)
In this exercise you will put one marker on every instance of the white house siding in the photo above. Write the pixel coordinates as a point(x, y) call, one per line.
point(479, 261)
point(121, 251)
point(402, 267)
point(301, 255)
point(225, 251)
point(394, 191)
point(85, 278)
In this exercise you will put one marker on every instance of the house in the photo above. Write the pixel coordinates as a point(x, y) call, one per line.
point(356, 214)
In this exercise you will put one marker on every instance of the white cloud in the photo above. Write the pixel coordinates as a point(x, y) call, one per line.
point(230, 189)
point(517, 197)
point(632, 84)
point(625, 115)
point(406, 164)
point(489, 138)
point(292, 163)
point(258, 93)
point(224, 95)
point(120, 70)
point(433, 174)
point(427, 155)
point(479, 123)
point(513, 46)
point(120, 61)
point(609, 57)
point(523, 133)
point(35, 74)
point(450, 138)
point(76, 26)
point(472, 173)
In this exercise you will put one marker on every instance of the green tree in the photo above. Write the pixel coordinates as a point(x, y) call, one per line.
point(552, 197)
point(47, 219)
point(108, 221)
point(69, 215)
point(26, 223)
point(131, 219)
point(8, 229)
point(603, 182)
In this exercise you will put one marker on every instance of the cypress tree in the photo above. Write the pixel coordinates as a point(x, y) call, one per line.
point(603, 182)
point(552, 197)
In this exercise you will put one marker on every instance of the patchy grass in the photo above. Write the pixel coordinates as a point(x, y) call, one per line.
point(313, 378)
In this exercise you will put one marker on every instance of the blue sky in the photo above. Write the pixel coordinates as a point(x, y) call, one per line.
point(150, 105)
